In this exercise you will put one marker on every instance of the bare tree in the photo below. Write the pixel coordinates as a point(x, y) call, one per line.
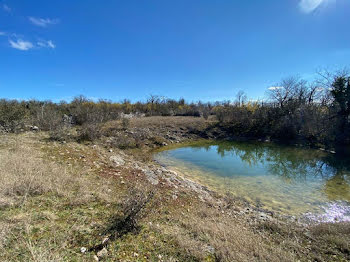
point(325, 80)
point(241, 98)
point(288, 89)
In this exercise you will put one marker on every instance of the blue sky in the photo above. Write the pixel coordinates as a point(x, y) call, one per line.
point(197, 49)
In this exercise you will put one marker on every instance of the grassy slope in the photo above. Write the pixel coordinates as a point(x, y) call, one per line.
point(56, 198)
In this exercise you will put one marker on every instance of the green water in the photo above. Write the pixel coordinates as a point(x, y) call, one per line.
point(290, 180)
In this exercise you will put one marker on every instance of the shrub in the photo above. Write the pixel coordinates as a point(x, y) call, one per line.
point(13, 115)
point(89, 132)
point(125, 123)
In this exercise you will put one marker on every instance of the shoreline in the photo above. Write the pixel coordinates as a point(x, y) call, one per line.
point(340, 207)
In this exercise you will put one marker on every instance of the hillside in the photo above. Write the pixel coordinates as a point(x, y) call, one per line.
point(70, 201)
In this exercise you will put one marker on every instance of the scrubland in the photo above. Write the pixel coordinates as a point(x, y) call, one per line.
point(88, 201)
point(78, 183)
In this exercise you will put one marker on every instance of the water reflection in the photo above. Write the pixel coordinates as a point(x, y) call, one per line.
point(288, 179)
point(289, 163)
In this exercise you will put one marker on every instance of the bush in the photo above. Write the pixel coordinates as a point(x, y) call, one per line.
point(125, 123)
point(89, 132)
point(61, 133)
point(13, 115)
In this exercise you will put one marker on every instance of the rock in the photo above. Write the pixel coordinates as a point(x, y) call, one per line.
point(96, 258)
point(151, 177)
point(68, 119)
point(35, 128)
point(105, 240)
point(102, 253)
point(164, 144)
point(158, 171)
point(2, 130)
point(172, 173)
point(210, 249)
point(117, 160)
point(83, 250)
point(263, 216)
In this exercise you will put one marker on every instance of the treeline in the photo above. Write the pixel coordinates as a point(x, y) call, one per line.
point(296, 110)
point(315, 113)
point(17, 115)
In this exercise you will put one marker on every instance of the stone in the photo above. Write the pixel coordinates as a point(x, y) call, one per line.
point(83, 250)
point(68, 119)
point(35, 128)
point(210, 249)
point(102, 253)
point(263, 216)
point(117, 160)
point(105, 240)
point(151, 177)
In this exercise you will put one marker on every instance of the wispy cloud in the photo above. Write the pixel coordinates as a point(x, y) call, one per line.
point(47, 44)
point(275, 87)
point(6, 8)
point(17, 42)
point(2, 33)
point(43, 22)
point(21, 45)
point(308, 6)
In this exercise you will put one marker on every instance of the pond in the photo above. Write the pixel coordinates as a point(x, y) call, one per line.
point(290, 180)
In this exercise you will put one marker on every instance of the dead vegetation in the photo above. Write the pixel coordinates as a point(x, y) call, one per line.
point(66, 202)
point(154, 131)
point(41, 201)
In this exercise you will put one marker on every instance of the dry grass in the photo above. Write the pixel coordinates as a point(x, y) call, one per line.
point(24, 173)
point(206, 234)
point(154, 131)
point(42, 203)
point(52, 208)
point(169, 121)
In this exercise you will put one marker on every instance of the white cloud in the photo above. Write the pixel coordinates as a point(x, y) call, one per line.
point(308, 6)
point(42, 22)
point(51, 44)
point(2, 33)
point(275, 87)
point(6, 8)
point(21, 45)
point(47, 44)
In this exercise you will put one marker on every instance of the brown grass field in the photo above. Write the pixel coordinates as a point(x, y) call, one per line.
point(56, 198)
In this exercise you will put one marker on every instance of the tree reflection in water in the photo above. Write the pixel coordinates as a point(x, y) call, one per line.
point(286, 179)
point(292, 164)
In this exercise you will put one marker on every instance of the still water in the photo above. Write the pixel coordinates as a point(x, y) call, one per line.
point(289, 180)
